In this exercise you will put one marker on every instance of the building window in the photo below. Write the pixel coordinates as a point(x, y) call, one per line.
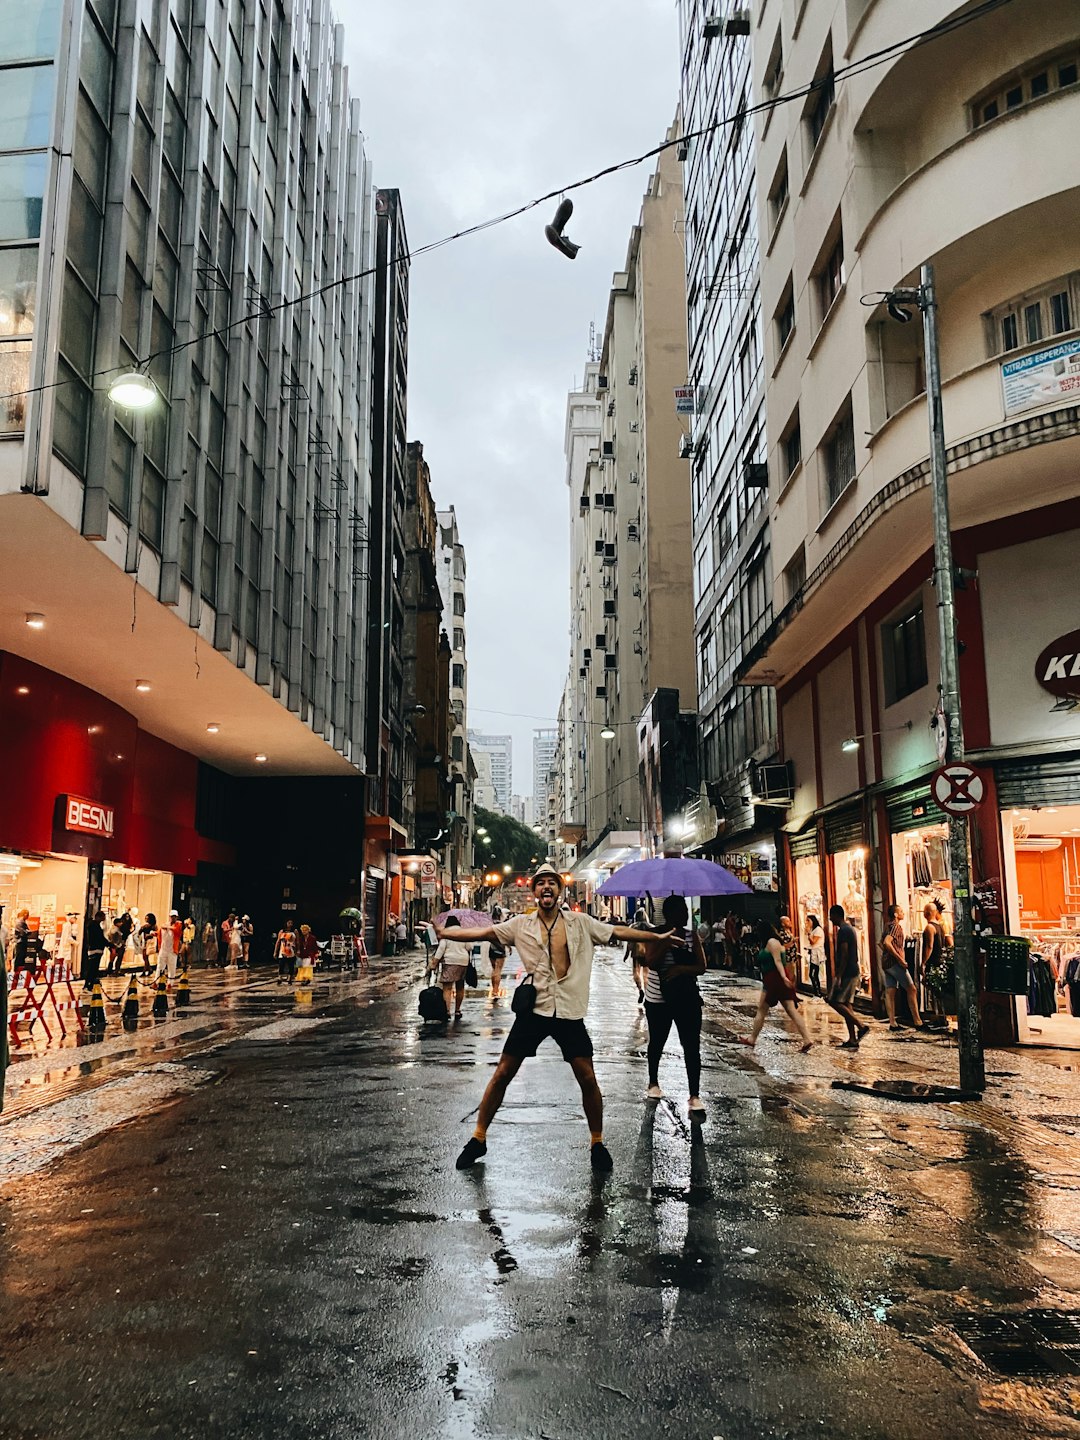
point(795, 575)
point(457, 749)
point(791, 446)
point(903, 651)
point(838, 455)
point(785, 315)
point(457, 678)
point(774, 69)
point(1037, 315)
point(1042, 78)
point(778, 192)
point(820, 101)
point(459, 638)
point(459, 603)
point(830, 275)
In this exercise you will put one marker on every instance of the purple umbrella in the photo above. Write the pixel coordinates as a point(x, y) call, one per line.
point(468, 919)
point(673, 875)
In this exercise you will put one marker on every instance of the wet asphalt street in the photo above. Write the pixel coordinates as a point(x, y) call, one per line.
point(283, 1248)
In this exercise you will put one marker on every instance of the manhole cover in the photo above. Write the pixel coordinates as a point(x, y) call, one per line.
point(1069, 1123)
point(1031, 1342)
point(913, 1090)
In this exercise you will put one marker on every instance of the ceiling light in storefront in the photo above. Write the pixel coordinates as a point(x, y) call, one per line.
point(35, 620)
point(133, 391)
point(260, 759)
point(213, 728)
point(143, 686)
point(93, 729)
point(27, 864)
point(22, 689)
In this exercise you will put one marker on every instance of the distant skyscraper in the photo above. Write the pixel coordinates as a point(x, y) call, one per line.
point(545, 743)
point(501, 750)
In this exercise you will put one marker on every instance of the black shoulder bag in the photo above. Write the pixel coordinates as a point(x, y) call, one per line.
point(524, 1001)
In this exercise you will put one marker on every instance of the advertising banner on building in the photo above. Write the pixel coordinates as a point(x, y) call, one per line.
point(685, 400)
point(1041, 378)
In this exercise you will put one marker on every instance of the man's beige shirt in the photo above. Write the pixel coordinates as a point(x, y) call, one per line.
point(568, 998)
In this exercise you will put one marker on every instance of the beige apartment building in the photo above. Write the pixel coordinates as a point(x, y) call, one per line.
point(958, 152)
point(631, 608)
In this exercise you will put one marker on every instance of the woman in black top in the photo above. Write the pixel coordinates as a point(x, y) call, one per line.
point(672, 998)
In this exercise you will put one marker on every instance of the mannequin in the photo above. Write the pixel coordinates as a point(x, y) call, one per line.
point(67, 950)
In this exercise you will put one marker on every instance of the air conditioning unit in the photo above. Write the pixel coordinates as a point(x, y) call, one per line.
point(636, 590)
point(632, 377)
point(609, 502)
point(772, 783)
point(598, 500)
point(586, 655)
point(607, 449)
point(686, 447)
point(713, 27)
point(611, 407)
point(609, 607)
point(755, 475)
point(583, 503)
point(609, 662)
point(583, 672)
point(1038, 842)
point(737, 23)
point(601, 692)
point(632, 532)
point(599, 546)
point(601, 642)
point(682, 151)
point(633, 477)
point(601, 382)
point(634, 427)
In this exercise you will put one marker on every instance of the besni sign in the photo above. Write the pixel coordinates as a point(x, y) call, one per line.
point(1058, 667)
point(87, 816)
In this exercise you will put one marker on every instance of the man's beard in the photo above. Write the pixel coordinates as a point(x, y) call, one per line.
point(547, 901)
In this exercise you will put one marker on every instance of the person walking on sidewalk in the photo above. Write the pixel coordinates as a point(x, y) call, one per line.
point(453, 956)
point(816, 936)
point(894, 968)
point(96, 945)
point(846, 978)
point(148, 942)
point(285, 952)
point(776, 988)
point(497, 956)
point(672, 998)
point(556, 948)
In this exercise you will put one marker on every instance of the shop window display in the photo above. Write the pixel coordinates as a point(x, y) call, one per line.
point(849, 881)
point(1042, 860)
point(809, 901)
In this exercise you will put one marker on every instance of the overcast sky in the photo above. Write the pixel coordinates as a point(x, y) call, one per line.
point(470, 109)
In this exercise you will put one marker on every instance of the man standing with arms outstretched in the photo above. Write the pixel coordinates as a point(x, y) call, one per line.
point(556, 948)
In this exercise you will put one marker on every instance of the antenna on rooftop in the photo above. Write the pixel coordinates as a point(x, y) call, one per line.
point(594, 348)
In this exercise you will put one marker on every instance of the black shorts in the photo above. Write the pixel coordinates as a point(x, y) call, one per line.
point(528, 1031)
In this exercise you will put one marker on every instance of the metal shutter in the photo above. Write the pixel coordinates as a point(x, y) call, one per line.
point(844, 831)
point(1053, 780)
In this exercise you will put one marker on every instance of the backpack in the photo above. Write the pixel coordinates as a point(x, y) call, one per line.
point(432, 1004)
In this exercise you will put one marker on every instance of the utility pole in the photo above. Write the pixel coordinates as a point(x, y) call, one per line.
point(972, 1066)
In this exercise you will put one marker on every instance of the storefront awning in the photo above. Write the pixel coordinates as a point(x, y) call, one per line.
point(617, 847)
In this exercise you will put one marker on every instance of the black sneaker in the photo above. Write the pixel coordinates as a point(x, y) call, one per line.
point(863, 1030)
point(849, 1045)
point(474, 1149)
point(600, 1157)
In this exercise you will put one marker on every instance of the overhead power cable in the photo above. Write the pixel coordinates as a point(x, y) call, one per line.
point(835, 77)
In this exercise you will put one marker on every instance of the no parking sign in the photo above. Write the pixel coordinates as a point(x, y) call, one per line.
point(958, 788)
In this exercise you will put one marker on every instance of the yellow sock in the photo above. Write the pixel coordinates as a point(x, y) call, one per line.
point(596, 1136)
point(480, 1133)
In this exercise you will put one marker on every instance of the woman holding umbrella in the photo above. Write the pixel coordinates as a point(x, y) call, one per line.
point(672, 998)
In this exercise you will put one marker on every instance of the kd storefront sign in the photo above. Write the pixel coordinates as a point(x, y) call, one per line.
point(1058, 667)
point(88, 817)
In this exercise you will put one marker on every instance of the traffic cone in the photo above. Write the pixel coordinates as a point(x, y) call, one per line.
point(160, 1007)
point(131, 1001)
point(183, 990)
point(96, 1019)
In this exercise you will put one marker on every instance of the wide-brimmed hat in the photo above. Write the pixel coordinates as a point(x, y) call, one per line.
point(546, 869)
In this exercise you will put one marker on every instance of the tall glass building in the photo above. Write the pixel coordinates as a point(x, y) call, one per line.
point(184, 192)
